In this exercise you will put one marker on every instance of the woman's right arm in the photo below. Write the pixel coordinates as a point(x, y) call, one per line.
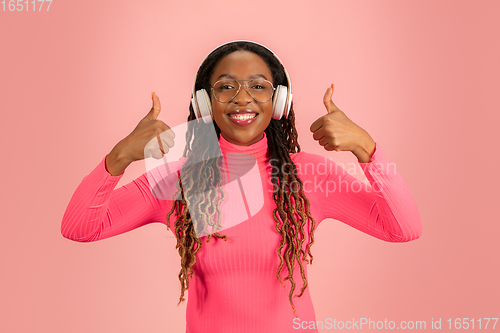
point(97, 210)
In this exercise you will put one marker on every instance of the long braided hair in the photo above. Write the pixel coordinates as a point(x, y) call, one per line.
point(205, 177)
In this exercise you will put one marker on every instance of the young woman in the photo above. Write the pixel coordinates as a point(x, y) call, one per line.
point(242, 272)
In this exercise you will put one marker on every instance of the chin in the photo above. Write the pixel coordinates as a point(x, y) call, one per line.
point(243, 140)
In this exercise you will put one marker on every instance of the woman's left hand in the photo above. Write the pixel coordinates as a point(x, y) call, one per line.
point(335, 131)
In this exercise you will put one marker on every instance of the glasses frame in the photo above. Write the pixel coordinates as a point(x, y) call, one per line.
point(239, 88)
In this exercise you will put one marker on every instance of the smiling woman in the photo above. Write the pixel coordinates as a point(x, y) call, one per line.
point(235, 268)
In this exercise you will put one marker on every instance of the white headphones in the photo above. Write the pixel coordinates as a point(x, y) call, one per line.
point(282, 99)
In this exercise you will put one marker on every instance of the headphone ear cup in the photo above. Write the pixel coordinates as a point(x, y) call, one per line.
point(289, 106)
point(279, 102)
point(195, 108)
point(205, 107)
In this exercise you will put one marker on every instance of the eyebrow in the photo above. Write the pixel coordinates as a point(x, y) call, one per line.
point(233, 77)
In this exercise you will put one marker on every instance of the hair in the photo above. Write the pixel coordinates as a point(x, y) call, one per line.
point(205, 177)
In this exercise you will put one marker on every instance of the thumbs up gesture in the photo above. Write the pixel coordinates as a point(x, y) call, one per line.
point(150, 138)
point(334, 131)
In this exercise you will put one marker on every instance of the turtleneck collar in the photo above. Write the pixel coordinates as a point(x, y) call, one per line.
point(257, 149)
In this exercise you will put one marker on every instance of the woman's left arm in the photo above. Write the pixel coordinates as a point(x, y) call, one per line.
point(385, 209)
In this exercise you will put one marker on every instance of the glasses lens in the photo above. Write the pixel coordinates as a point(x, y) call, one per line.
point(260, 90)
point(225, 90)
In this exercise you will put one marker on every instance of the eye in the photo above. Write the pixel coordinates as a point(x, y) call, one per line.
point(258, 86)
point(225, 85)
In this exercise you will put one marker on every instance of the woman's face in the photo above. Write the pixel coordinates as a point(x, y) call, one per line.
point(241, 65)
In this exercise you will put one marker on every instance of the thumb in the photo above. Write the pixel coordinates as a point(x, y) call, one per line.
point(155, 110)
point(327, 100)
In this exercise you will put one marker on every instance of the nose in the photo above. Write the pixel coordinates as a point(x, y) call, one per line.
point(242, 97)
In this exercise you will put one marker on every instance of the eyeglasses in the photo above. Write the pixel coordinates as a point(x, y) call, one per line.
point(225, 90)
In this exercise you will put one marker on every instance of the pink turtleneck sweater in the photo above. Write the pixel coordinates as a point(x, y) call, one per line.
point(235, 288)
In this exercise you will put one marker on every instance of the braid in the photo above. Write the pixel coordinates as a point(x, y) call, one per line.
point(210, 171)
point(291, 230)
point(206, 177)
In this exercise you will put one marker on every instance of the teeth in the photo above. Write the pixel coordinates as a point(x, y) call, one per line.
point(242, 117)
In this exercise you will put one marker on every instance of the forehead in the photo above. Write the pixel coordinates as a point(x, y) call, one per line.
point(242, 64)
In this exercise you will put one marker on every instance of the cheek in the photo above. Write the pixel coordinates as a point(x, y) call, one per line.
point(217, 108)
point(269, 110)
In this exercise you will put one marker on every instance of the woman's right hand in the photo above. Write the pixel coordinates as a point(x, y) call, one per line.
point(139, 144)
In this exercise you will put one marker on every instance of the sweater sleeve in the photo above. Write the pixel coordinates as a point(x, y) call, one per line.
point(97, 210)
point(384, 209)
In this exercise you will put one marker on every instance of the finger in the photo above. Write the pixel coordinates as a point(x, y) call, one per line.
point(329, 147)
point(324, 141)
point(160, 144)
point(316, 125)
point(327, 100)
point(166, 130)
point(163, 145)
point(154, 148)
point(157, 154)
point(169, 131)
point(319, 134)
point(166, 138)
point(153, 151)
point(155, 110)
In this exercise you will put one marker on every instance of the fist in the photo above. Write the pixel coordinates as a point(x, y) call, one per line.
point(335, 131)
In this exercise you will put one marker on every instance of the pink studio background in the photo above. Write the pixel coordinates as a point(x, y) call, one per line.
point(420, 76)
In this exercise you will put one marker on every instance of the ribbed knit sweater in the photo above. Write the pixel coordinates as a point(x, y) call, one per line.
point(234, 287)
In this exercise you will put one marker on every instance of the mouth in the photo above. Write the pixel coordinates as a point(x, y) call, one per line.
point(243, 115)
